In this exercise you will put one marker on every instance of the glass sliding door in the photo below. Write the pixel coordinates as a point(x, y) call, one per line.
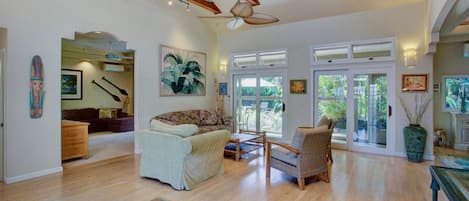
point(259, 102)
point(246, 102)
point(371, 110)
point(360, 100)
point(331, 101)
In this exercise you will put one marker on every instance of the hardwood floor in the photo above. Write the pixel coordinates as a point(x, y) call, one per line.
point(354, 176)
point(448, 151)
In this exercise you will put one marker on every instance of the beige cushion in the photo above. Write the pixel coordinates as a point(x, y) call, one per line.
point(183, 130)
point(284, 155)
point(298, 138)
point(324, 121)
point(105, 113)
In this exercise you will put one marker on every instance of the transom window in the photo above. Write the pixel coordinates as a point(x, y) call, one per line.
point(259, 59)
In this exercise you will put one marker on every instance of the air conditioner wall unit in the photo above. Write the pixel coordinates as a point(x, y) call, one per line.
point(113, 67)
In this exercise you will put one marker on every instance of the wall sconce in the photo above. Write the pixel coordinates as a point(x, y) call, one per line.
point(410, 57)
point(222, 70)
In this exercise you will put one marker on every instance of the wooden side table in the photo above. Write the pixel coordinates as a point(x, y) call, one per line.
point(74, 139)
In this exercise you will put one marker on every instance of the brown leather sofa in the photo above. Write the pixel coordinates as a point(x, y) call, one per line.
point(122, 123)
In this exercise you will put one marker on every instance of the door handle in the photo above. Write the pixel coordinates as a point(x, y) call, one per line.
point(389, 110)
point(283, 107)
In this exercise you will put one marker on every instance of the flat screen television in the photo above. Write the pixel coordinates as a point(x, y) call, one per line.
point(455, 89)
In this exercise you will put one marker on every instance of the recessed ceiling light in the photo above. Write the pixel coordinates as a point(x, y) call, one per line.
point(170, 2)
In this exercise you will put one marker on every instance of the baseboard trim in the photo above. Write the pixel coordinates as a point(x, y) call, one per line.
point(9, 180)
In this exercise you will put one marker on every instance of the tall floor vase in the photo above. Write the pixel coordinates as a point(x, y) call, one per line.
point(415, 138)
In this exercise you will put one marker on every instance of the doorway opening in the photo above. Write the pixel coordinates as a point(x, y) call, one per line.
point(97, 90)
point(259, 102)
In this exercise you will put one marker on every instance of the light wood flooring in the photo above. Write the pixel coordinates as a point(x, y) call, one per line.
point(354, 176)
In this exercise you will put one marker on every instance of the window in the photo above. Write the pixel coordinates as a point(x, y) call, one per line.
point(351, 52)
point(245, 60)
point(372, 50)
point(260, 59)
point(330, 54)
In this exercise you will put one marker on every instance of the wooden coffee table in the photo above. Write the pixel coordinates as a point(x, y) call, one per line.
point(238, 138)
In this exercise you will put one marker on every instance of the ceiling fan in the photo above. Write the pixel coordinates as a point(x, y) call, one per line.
point(243, 13)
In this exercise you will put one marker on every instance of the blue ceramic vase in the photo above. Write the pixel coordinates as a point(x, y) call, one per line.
point(415, 138)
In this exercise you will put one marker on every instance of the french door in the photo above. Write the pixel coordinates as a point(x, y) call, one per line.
point(361, 101)
point(259, 102)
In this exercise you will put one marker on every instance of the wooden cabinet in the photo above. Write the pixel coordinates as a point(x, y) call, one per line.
point(74, 139)
point(460, 131)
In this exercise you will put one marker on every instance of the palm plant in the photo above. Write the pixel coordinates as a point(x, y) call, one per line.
point(183, 77)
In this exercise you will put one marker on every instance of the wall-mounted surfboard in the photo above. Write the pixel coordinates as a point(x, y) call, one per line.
point(36, 94)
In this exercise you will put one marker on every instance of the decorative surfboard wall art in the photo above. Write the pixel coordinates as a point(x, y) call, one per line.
point(36, 94)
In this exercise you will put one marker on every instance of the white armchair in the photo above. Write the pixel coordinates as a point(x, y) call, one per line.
point(181, 162)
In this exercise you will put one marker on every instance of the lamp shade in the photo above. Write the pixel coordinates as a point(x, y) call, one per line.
point(410, 57)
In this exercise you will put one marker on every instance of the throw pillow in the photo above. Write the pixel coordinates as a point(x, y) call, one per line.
point(209, 118)
point(324, 121)
point(105, 113)
point(299, 135)
point(183, 130)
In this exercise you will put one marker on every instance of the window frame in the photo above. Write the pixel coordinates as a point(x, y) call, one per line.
point(258, 64)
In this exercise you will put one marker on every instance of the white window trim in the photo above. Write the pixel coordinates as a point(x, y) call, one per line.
point(349, 46)
point(258, 65)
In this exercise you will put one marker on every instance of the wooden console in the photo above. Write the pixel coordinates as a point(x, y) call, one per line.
point(74, 139)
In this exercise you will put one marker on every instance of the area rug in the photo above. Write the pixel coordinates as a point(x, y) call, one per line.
point(455, 161)
point(102, 146)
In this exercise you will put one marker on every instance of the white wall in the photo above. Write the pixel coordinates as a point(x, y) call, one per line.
point(95, 97)
point(449, 60)
point(405, 23)
point(3, 44)
point(37, 27)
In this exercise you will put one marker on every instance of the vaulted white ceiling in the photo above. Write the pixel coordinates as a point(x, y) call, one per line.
point(298, 10)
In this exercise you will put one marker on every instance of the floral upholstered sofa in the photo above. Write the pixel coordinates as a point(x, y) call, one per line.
point(206, 120)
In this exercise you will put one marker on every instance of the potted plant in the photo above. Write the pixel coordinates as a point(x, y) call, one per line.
point(415, 136)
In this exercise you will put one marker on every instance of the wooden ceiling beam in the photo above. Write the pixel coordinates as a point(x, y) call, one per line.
point(210, 6)
point(465, 22)
point(254, 2)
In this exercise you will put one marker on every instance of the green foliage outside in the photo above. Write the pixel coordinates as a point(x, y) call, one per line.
point(333, 92)
point(453, 93)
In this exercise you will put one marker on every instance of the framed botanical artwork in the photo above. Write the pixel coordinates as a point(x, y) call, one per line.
point(414, 82)
point(223, 88)
point(182, 72)
point(72, 84)
point(298, 86)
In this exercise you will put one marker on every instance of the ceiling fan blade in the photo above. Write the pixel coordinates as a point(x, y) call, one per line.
point(260, 18)
point(242, 9)
point(235, 23)
point(215, 17)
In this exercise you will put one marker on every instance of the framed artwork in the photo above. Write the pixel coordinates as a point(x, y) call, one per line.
point(223, 88)
point(298, 86)
point(72, 84)
point(414, 82)
point(182, 72)
point(455, 93)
